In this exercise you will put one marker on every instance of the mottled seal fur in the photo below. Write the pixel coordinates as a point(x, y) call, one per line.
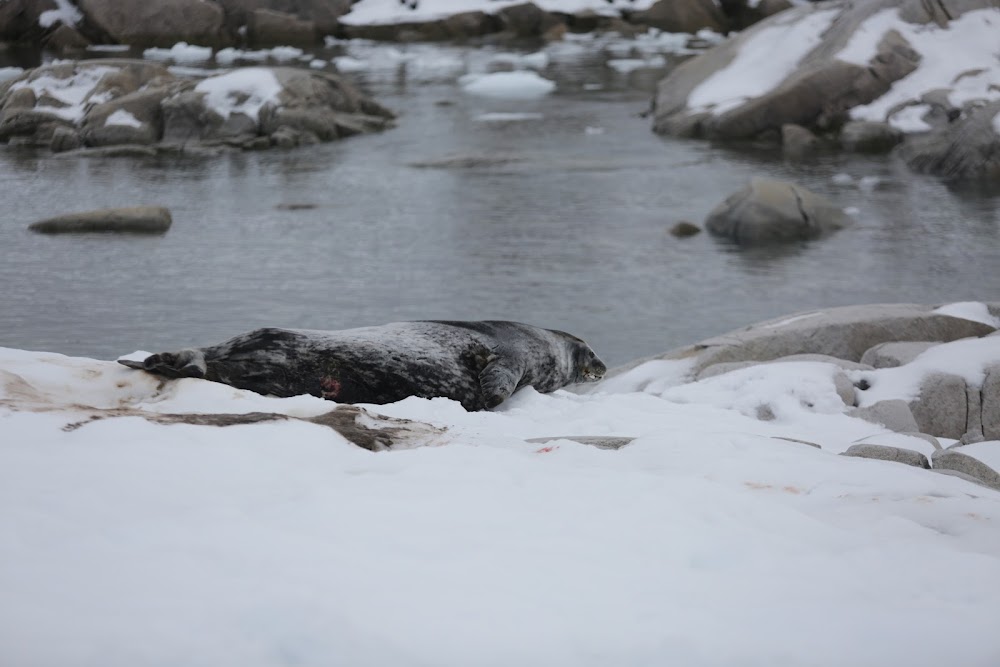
point(479, 364)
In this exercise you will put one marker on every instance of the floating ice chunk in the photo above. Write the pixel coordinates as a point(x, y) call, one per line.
point(593, 131)
point(626, 65)
point(508, 117)
point(181, 52)
point(843, 179)
point(511, 85)
point(349, 64)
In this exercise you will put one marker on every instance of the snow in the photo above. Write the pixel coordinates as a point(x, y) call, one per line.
point(65, 13)
point(182, 52)
point(709, 540)
point(509, 85)
point(975, 311)
point(72, 92)
point(244, 90)
point(763, 62)
point(122, 117)
point(988, 452)
point(380, 12)
point(911, 118)
point(961, 58)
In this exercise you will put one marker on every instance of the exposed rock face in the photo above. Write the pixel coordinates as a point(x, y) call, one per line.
point(322, 14)
point(887, 453)
point(683, 16)
point(160, 23)
point(968, 460)
point(267, 27)
point(135, 220)
point(968, 149)
point(797, 142)
point(137, 103)
point(894, 414)
point(846, 333)
point(768, 211)
point(942, 407)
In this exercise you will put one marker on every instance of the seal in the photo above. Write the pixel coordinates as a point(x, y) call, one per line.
point(478, 364)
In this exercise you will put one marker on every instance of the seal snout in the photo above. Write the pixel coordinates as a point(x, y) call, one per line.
point(594, 371)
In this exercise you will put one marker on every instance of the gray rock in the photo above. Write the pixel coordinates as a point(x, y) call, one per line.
point(685, 229)
point(797, 142)
point(895, 353)
point(682, 16)
point(887, 453)
point(599, 441)
point(796, 440)
point(965, 463)
point(65, 38)
point(845, 333)
point(65, 139)
point(269, 28)
point(137, 220)
point(160, 23)
point(990, 401)
point(968, 149)
point(769, 211)
point(323, 14)
point(862, 136)
point(941, 408)
point(894, 414)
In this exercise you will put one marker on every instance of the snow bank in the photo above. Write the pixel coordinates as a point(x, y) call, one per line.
point(242, 91)
point(509, 85)
point(961, 58)
point(764, 61)
point(132, 543)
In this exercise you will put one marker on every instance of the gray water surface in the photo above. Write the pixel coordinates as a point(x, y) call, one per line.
point(542, 221)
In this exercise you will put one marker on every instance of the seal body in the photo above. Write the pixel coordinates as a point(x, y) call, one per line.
point(479, 364)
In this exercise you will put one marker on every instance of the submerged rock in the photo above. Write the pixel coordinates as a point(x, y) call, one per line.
point(769, 211)
point(134, 220)
point(106, 103)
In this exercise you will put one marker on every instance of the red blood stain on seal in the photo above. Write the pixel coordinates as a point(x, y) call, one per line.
point(330, 386)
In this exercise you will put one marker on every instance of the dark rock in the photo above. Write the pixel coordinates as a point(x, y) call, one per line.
point(271, 28)
point(968, 149)
point(65, 38)
point(684, 229)
point(682, 16)
point(160, 23)
point(527, 20)
point(137, 220)
point(869, 137)
point(65, 139)
point(887, 453)
point(770, 211)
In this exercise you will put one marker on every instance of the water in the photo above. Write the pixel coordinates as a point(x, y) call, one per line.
point(552, 224)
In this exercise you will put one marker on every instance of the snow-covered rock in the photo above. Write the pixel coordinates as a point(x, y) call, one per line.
point(979, 460)
point(888, 453)
point(824, 64)
point(86, 103)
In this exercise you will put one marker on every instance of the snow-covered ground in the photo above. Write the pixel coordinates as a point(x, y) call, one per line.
point(711, 539)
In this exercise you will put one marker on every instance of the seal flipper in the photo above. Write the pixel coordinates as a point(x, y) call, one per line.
point(183, 364)
point(498, 380)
